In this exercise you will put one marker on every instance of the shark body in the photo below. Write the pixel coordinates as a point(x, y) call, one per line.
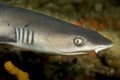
point(34, 31)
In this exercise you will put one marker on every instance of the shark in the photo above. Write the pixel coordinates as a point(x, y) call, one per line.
point(32, 31)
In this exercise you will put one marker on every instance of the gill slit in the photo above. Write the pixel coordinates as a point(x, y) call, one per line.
point(25, 36)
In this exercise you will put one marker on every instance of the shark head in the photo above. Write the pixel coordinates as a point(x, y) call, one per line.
point(74, 40)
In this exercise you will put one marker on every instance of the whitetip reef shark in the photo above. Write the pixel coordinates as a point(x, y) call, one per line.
point(33, 31)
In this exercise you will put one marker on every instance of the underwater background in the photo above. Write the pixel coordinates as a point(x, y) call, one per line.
point(102, 16)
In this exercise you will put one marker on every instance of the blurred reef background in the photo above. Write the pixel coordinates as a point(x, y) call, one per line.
point(99, 15)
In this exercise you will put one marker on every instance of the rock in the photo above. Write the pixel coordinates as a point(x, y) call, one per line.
point(98, 7)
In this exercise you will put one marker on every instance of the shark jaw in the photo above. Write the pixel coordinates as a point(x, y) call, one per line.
point(99, 48)
point(102, 48)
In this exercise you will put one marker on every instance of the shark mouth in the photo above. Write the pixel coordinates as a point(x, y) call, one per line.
point(102, 48)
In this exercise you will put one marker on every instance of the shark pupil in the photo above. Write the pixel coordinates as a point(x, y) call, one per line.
point(78, 41)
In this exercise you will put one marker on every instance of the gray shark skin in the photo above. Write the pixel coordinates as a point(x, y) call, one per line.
point(37, 32)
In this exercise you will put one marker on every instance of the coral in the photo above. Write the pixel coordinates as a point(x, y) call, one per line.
point(19, 74)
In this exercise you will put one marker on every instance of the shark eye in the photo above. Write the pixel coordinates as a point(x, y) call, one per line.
point(78, 41)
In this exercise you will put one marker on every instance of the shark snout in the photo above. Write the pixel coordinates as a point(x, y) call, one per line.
point(103, 43)
point(108, 42)
point(102, 47)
